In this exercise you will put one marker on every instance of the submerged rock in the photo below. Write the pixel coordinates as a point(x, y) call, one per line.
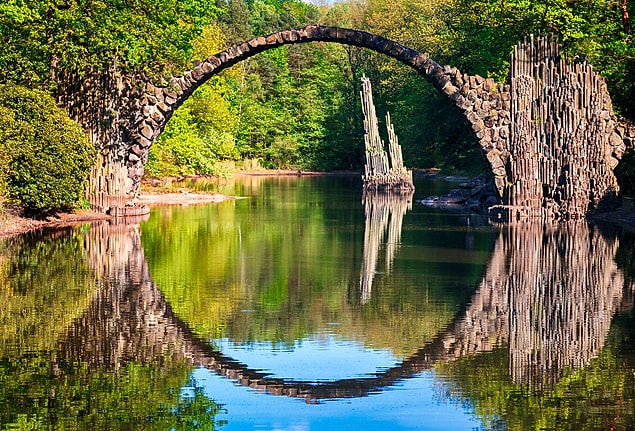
point(477, 195)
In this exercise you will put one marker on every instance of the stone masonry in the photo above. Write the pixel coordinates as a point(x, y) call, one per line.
point(129, 117)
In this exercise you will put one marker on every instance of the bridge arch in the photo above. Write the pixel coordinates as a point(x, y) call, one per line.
point(549, 134)
point(149, 111)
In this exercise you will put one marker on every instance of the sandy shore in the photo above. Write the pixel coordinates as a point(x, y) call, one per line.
point(182, 198)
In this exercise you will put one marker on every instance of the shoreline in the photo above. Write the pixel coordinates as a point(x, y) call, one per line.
point(12, 224)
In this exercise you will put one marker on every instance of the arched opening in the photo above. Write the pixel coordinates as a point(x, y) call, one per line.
point(166, 99)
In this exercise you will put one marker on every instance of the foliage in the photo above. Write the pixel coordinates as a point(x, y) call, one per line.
point(284, 108)
point(6, 118)
point(625, 172)
point(47, 155)
point(486, 30)
point(189, 146)
point(41, 37)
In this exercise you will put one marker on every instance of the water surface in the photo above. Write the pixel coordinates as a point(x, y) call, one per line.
point(310, 306)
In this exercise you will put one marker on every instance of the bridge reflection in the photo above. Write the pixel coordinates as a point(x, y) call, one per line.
point(548, 293)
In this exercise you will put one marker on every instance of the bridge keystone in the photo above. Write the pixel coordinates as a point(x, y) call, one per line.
point(368, 39)
point(329, 32)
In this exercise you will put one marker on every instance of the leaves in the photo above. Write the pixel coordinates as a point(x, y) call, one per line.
point(47, 155)
point(149, 35)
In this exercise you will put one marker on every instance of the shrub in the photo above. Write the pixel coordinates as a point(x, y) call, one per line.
point(47, 156)
point(6, 120)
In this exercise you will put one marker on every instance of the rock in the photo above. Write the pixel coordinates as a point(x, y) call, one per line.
point(476, 195)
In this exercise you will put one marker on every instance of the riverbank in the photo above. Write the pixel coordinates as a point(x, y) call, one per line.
point(12, 224)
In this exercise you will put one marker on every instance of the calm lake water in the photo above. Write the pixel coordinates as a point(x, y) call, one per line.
point(308, 306)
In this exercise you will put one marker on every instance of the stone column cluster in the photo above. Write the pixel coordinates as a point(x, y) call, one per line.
point(564, 145)
point(549, 134)
point(384, 168)
point(553, 311)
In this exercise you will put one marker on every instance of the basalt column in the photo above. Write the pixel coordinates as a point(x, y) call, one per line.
point(384, 170)
point(95, 99)
point(564, 144)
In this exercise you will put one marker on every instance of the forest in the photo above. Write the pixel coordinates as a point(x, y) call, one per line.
point(295, 107)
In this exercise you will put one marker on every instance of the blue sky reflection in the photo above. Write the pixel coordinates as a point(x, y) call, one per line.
point(412, 404)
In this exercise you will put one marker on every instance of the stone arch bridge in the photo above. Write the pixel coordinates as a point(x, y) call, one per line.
point(549, 133)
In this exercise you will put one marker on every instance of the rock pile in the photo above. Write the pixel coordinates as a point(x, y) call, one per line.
point(477, 195)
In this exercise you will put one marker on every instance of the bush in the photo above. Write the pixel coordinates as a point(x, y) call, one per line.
point(46, 156)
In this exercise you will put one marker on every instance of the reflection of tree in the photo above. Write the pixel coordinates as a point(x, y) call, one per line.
point(43, 282)
point(383, 210)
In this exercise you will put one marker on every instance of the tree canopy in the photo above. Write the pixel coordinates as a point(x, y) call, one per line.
point(41, 37)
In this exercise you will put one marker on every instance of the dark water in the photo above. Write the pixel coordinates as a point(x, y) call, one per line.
point(307, 306)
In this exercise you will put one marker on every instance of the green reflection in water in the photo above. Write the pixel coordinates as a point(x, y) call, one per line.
point(285, 263)
point(44, 284)
point(47, 285)
point(38, 391)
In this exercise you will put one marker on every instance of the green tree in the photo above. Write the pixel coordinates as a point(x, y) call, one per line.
point(201, 133)
point(47, 156)
point(597, 30)
point(42, 38)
